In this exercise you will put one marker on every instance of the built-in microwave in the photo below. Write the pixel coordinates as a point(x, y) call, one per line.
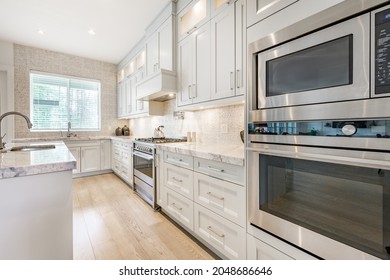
point(331, 64)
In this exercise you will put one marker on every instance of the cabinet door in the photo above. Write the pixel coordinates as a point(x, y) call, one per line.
point(121, 99)
point(105, 154)
point(260, 9)
point(126, 98)
point(152, 54)
point(90, 158)
point(223, 54)
point(240, 12)
point(200, 89)
point(185, 70)
point(76, 154)
point(166, 47)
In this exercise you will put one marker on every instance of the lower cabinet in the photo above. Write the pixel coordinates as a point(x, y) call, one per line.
point(88, 155)
point(122, 160)
point(208, 203)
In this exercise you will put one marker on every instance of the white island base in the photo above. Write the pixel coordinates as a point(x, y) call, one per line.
point(36, 217)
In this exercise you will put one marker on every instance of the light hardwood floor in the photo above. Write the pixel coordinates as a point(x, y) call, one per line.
point(110, 222)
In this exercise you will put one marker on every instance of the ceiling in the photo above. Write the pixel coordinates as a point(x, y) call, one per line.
point(65, 24)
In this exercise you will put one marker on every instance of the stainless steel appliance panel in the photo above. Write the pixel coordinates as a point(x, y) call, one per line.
point(336, 209)
point(320, 67)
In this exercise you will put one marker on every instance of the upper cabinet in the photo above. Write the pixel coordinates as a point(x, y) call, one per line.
point(192, 17)
point(212, 57)
point(261, 9)
point(159, 49)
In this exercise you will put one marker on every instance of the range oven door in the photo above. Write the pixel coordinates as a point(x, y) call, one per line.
point(332, 203)
point(325, 66)
point(144, 174)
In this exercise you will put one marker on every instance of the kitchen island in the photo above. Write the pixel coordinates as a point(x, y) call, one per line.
point(36, 202)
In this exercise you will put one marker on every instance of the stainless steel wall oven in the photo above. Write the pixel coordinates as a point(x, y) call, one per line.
point(318, 147)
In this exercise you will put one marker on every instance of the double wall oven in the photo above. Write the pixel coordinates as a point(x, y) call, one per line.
point(144, 168)
point(318, 132)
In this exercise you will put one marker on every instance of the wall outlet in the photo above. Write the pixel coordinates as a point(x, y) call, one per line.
point(224, 128)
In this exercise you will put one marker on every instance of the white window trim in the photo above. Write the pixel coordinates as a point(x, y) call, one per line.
point(67, 77)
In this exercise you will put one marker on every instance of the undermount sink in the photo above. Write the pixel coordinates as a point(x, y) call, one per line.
point(32, 148)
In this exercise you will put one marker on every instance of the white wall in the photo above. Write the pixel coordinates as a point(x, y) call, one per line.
point(7, 87)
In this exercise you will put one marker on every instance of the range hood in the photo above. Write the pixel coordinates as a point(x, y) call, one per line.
point(159, 87)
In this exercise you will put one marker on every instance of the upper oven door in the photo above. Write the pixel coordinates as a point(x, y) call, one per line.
point(326, 66)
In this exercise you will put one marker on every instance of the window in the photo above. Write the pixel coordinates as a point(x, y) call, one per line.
point(57, 100)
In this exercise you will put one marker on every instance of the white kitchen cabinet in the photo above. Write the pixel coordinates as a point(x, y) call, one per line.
point(228, 45)
point(127, 98)
point(159, 49)
point(194, 15)
point(223, 54)
point(90, 158)
point(122, 160)
point(121, 99)
point(179, 207)
point(224, 198)
point(194, 67)
point(218, 5)
point(261, 9)
point(223, 235)
point(105, 154)
point(76, 154)
point(197, 193)
point(178, 179)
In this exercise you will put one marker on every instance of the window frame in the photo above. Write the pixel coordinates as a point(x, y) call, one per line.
point(99, 107)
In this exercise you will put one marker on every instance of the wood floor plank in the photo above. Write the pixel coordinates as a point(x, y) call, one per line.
point(112, 222)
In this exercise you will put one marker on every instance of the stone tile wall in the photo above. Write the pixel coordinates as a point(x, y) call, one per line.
point(29, 58)
point(206, 123)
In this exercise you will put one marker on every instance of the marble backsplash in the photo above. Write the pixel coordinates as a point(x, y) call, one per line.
point(218, 125)
point(29, 58)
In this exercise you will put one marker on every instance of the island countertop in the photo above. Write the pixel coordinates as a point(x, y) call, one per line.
point(233, 154)
point(34, 162)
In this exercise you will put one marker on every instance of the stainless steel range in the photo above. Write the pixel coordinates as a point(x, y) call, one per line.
point(144, 169)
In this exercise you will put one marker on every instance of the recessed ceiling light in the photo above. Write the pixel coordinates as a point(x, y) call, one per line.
point(91, 32)
point(40, 32)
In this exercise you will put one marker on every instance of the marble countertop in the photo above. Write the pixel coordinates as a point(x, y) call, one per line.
point(73, 138)
point(34, 162)
point(233, 154)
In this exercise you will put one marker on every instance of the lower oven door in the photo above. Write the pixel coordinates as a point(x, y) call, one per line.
point(332, 203)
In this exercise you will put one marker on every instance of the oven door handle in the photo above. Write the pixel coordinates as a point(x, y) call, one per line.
point(142, 155)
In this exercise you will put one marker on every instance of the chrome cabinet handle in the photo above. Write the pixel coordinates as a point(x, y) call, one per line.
point(191, 30)
point(177, 180)
point(194, 90)
point(215, 169)
point(238, 79)
point(217, 197)
point(178, 208)
point(189, 91)
point(231, 80)
point(215, 232)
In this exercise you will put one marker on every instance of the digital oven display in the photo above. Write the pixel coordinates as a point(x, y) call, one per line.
point(382, 52)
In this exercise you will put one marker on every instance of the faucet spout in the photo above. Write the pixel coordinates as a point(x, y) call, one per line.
point(29, 125)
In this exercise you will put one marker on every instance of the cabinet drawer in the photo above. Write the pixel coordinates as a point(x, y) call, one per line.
point(225, 171)
point(225, 236)
point(185, 161)
point(116, 153)
point(224, 198)
point(179, 207)
point(116, 166)
point(179, 179)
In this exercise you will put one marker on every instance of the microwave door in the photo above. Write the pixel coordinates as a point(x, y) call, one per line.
point(326, 66)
